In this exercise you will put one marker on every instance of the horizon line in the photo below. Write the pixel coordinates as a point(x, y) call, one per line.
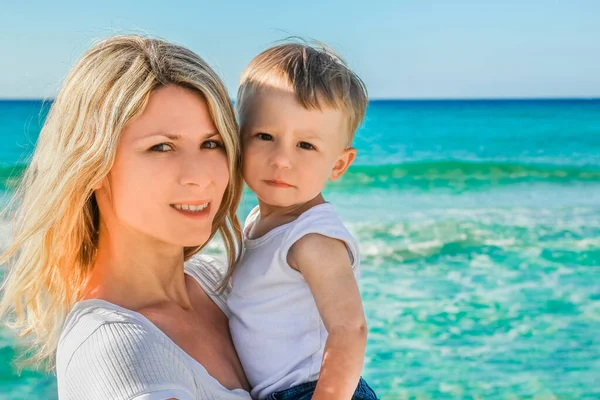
point(375, 99)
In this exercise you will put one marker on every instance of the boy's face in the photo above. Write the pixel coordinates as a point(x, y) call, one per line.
point(290, 152)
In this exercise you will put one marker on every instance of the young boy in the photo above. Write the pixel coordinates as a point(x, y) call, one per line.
point(296, 316)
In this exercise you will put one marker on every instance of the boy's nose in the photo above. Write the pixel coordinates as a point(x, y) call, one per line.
point(281, 159)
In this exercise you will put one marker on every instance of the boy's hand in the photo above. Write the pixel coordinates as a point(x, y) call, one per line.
point(325, 264)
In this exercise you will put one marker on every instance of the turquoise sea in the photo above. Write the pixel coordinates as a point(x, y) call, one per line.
point(479, 226)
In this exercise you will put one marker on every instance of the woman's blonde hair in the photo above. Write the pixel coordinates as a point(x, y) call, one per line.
point(56, 223)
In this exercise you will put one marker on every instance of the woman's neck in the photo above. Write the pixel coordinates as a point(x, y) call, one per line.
point(135, 271)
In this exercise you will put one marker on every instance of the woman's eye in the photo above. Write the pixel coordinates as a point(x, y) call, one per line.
point(264, 136)
point(306, 146)
point(161, 148)
point(212, 144)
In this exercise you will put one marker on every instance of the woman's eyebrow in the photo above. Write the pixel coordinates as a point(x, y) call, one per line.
point(169, 136)
point(175, 137)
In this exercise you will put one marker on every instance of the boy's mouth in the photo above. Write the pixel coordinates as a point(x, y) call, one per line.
point(278, 183)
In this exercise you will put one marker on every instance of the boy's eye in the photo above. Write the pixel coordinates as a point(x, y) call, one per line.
point(212, 144)
point(161, 148)
point(264, 136)
point(306, 146)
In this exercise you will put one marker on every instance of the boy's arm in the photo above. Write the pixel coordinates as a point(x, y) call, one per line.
point(325, 265)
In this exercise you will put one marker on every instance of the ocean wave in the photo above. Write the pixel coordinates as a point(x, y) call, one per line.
point(462, 174)
point(452, 174)
point(567, 236)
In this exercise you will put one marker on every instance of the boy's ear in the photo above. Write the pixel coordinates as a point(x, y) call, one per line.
point(342, 163)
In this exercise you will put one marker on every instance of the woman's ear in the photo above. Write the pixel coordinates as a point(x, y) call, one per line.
point(342, 163)
point(99, 184)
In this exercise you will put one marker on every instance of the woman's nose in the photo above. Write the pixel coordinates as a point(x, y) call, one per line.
point(193, 171)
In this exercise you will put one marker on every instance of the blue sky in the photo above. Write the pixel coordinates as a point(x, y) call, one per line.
point(401, 49)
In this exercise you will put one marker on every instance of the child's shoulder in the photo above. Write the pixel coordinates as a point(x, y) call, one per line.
point(321, 215)
point(323, 221)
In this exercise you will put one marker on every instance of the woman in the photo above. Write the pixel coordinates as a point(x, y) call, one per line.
point(135, 170)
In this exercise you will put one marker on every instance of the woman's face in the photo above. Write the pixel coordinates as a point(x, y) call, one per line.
point(170, 171)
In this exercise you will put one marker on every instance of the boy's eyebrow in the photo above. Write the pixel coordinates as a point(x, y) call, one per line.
point(310, 135)
point(305, 134)
point(259, 128)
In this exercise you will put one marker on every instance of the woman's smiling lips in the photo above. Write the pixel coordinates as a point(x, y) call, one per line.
point(277, 183)
point(193, 209)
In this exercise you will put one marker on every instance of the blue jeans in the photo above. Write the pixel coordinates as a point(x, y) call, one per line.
point(305, 391)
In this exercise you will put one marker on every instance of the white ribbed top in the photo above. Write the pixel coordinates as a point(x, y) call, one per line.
point(109, 352)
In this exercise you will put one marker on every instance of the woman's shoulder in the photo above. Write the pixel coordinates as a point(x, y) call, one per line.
point(210, 273)
point(210, 269)
point(89, 317)
point(106, 351)
point(98, 327)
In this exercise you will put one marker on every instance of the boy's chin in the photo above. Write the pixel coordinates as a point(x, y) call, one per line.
point(277, 201)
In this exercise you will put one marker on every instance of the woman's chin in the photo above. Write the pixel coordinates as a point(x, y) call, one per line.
point(194, 240)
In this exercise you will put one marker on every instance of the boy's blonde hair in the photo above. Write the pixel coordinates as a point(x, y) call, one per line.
point(56, 225)
point(317, 76)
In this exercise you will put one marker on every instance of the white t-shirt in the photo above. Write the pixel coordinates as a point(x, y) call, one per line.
point(275, 325)
point(109, 352)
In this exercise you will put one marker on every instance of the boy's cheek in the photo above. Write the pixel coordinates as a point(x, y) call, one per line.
point(253, 154)
point(249, 160)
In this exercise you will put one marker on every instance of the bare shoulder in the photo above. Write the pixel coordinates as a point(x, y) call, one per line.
point(314, 248)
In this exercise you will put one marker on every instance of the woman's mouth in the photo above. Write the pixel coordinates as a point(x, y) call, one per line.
point(195, 210)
